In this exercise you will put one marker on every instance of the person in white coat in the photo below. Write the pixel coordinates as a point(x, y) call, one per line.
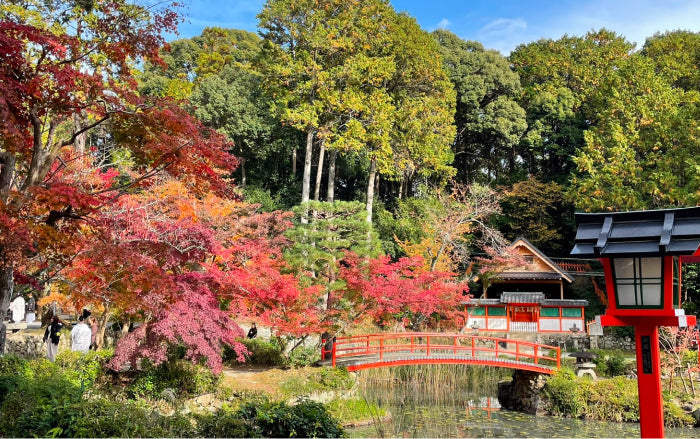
point(17, 308)
point(80, 336)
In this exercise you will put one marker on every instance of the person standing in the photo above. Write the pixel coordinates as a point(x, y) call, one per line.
point(17, 308)
point(31, 308)
point(253, 331)
point(52, 336)
point(80, 336)
point(94, 327)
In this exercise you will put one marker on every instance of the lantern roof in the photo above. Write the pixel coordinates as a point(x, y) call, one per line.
point(638, 233)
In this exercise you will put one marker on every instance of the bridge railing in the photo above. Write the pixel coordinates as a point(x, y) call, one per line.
point(424, 345)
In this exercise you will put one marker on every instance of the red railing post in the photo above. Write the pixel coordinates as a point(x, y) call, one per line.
point(455, 344)
point(558, 358)
point(473, 350)
point(412, 346)
point(517, 350)
point(427, 349)
point(536, 355)
point(367, 352)
point(497, 345)
point(381, 348)
point(334, 352)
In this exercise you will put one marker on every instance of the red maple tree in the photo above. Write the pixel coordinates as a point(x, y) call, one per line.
point(383, 290)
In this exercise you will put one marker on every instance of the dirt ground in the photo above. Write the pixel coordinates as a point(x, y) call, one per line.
point(254, 379)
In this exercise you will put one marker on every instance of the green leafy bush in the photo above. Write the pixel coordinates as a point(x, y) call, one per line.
point(83, 369)
point(181, 376)
point(321, 380)
point(304, 419)
point(39, 402)
point(565, 395)
point(617, 365)
point(611, 363)
point(304, 356)
point(261, 353)
point(225, 423)
point(674, 416)
point(13, 370)
point(614, 400)
point(104, 418)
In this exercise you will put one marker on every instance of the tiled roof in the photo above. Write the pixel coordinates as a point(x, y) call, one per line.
point(508, 297)
point(539, 275)
point(544, 302)
point(638, 233)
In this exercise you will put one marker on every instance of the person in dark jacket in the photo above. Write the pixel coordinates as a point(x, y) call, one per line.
point(31, 308)
point(52, 336)
point(253, 332)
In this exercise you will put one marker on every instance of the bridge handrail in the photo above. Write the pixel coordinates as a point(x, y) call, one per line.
point(373, 344)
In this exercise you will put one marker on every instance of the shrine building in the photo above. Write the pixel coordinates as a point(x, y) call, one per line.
point(527, 299)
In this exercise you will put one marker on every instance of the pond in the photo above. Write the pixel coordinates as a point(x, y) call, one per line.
point(461, 401)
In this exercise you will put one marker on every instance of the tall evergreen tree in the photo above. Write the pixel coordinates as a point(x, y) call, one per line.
point(490, 123)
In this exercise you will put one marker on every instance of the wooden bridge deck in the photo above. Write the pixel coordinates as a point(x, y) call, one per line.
point(398, 349)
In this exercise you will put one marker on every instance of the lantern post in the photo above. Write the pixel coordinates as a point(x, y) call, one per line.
point(641, 253)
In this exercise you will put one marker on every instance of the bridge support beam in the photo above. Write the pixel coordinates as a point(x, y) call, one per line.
point(522, 394)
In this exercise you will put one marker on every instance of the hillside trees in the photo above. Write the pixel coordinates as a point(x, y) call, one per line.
point(490, 122)
point(364, 81)
point(558, 79)
point(538, 212)
point(642, 153)
point(213, 76)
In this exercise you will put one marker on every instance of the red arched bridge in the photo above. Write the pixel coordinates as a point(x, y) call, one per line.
point(399, 349)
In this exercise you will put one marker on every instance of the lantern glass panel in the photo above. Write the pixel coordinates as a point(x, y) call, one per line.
point(638, 282)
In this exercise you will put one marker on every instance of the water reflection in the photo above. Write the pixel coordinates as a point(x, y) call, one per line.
point(460, 401)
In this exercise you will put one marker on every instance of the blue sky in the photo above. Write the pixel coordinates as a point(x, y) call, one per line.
point(497, 24)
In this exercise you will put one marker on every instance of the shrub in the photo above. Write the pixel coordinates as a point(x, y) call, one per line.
point(674, 416)
point(304, 419)
point(13, 370)
point(224, 423)
point(104, 418)
point(320, 380)
point(614, 400)
point(304, 356)
point(261, 353)
point(616, 365)
point(565, 395)
point(83, 369)
point(183, 377)
point(38, 403)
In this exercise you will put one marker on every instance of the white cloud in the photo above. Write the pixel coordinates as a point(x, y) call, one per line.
point(443, 24)
point(502, 34)
point(504, 26)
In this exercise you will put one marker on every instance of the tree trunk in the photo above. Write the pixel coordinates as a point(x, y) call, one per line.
point(243, 174)
point(6, 288)
point(7, 160)
point(370, 188)
point(102, 328)
point(294, 162)
point(331, 176)
point(80, 139)
point(319, 170)
point(306, 182)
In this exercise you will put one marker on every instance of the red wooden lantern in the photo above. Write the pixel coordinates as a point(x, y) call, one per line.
point(640, 252)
